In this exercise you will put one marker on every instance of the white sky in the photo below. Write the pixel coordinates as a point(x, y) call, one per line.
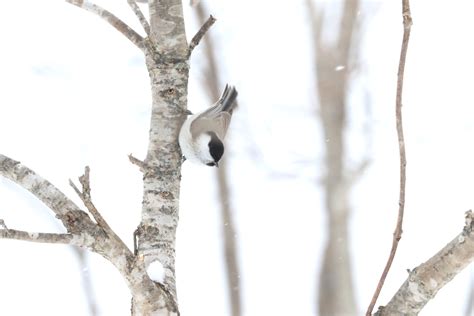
point(75, 92)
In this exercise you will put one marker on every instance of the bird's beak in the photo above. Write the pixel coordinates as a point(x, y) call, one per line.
point(216, 164)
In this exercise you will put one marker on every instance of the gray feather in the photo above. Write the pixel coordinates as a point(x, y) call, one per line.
point(217, 117)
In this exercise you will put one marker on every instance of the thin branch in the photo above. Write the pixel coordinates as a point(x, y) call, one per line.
point(397, 235)
point(113, 20)
point(428, 278)
point(86, 199)
point(49, 238)
point(200, 34)
point(85, 196)
point(143, 21)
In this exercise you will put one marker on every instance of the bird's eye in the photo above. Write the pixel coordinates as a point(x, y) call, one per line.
point(211, 164)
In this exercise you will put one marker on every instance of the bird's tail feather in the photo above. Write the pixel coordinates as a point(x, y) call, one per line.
point(228, 98)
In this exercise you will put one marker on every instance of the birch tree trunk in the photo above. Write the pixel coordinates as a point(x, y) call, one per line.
point(167, 56)
point(167, 63)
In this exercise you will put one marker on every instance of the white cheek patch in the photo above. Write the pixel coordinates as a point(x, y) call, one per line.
point(202, 148)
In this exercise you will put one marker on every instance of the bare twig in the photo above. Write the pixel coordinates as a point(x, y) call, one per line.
point(137, 162)
point(428, 278)
point(199, 35)
point(85, 196)
point(118, 24)
point(140, 16)
point(397, 235)
point(49, 238)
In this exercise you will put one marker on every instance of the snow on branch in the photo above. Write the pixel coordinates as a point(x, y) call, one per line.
point(113, 20)
point(428, 278)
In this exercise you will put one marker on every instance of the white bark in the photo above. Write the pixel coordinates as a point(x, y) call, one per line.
point(167, 54)
point(83, 233)
point(428, 278)
point(168, 69)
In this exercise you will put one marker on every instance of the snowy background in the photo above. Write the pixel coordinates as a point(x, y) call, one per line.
point(75, 92)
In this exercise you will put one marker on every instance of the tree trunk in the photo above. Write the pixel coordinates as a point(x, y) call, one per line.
point(167, 63)
point(336, 294)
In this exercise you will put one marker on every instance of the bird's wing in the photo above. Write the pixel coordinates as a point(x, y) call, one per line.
point(217, 117)
point(211, 121)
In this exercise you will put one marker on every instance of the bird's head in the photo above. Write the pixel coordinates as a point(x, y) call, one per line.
point(216, 149)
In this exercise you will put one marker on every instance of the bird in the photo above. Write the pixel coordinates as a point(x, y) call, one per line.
point(201, 135)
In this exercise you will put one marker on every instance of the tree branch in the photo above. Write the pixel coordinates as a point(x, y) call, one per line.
point(49, 238)
point(428, 278)
point(72, 217)
point(200, 34)
point(84, 233)
point(86, 198)
point(141, 164)
point(118, 24)
point(397, 235)
point(136, 9)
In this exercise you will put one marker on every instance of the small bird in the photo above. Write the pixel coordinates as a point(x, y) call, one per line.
point(201, 135)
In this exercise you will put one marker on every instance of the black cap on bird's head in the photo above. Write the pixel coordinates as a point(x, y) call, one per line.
point(216, 149)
